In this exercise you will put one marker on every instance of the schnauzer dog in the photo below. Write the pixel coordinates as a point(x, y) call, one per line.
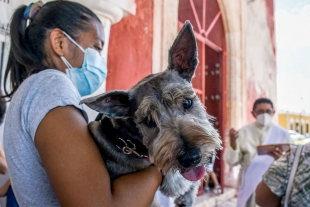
point(159, 120)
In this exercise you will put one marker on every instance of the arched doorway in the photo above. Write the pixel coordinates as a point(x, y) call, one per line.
point(210, 80)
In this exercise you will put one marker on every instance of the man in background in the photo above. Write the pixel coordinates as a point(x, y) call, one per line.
point(242, 149)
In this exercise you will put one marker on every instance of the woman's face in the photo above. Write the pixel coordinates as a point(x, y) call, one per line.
point(91, 39)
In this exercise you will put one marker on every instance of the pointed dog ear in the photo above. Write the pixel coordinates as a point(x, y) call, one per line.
point(114, 104)
point(183, 53)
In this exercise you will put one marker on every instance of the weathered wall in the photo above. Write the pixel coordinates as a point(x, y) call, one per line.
point(130, 48)
point(260, 55)
point(235, 27)
point(251, 70)
point(165, 24)
point(233, 15)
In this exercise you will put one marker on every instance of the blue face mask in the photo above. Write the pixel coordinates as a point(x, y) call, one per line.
point(91, 75)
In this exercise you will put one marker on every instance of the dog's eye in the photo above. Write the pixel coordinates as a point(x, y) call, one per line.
point(149, 122)
point(187, 103)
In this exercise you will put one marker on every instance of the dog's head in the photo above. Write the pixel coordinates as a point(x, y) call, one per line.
point(165, 108)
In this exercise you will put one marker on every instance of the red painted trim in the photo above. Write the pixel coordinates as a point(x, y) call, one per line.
point(196, 16)
point(204, 40)
point(212, 24)
point(204, 5)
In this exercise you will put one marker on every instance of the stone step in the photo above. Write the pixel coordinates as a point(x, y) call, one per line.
point(211, 199)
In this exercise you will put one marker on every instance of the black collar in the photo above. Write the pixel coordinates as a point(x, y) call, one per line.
point(129, 148)
point(127, 144)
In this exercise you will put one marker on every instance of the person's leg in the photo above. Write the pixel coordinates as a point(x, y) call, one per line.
point(214, 178)
point(217, 188)
point(206, 183)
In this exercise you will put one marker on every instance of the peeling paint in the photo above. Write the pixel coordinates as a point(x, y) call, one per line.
point(130, 48)
point(261, 70)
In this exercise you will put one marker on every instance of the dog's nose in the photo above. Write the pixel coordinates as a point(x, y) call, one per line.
point(190, 158)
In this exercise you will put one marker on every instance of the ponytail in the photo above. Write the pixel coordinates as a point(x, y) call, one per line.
point(21, 60)
point(2, 107)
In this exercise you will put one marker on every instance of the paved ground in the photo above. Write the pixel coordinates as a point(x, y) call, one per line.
point(229, 203)
point(227, 199)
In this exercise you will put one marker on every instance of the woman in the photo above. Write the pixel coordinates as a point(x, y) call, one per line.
point(50, 153)
point(271, 191)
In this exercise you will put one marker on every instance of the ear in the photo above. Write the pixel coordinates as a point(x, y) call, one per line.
point(253, 114)
point(57, 41)
point(183, 53)
point(114, 104)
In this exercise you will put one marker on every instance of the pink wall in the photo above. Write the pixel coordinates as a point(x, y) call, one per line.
point(130, 48)
point(261, 70)
point(270, 20)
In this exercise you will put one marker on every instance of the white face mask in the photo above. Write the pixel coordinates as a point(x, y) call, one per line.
point(264, 119)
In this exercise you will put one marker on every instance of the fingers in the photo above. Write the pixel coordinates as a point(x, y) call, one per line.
point(276, 153)
point(233, 134)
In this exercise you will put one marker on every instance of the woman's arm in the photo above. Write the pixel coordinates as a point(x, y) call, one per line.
point(3, 164)
point(76, 170)
point(264, 197)
point(4, 189)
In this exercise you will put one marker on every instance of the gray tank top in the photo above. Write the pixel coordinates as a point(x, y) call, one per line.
point(36, 96)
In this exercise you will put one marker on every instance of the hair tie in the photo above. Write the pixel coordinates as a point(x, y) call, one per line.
point(32, 9)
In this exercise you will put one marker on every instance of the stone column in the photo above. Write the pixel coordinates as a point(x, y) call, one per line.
point(234, 20)
point(165, 24)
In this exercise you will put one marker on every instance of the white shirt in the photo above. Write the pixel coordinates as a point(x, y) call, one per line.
point(250, 136)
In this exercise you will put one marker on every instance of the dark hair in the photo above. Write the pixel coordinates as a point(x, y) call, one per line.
point(262, 100)
point(2, 107)
point(27, 42)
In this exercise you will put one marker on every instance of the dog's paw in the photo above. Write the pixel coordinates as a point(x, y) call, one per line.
point(187, 199)
point(182, 202)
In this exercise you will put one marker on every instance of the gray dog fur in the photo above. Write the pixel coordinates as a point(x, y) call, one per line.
point(164, 118)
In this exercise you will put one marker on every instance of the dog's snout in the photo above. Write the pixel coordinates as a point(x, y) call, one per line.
point(190, 158)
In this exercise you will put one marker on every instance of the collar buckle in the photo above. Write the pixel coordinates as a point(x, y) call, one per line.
point(128, 150)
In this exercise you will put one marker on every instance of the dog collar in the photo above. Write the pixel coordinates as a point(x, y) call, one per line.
point(128, 150)
point(127, 146)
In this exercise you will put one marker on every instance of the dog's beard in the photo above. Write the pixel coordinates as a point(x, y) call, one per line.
point(168, 145)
